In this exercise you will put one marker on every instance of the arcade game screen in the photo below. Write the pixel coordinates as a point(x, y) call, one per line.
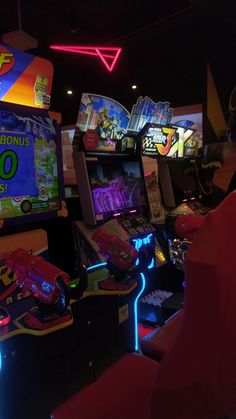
point(183, 179)
point(116, 186)
point(28, 164)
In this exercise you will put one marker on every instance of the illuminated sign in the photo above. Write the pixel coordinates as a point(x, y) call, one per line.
point(108, 55)
point(28, 164)
point(24, 78)
point(146, 111)
point(168, 141)
point(17, 172)
point(103, 119)
point(6, 60)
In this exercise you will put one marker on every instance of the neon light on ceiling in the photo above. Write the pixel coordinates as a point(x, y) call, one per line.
point(108, 55)
point(143, 285)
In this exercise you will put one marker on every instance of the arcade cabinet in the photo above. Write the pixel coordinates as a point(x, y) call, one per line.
point(113, 196)
point(31, 197)
point(173, 150)
point(36, 320)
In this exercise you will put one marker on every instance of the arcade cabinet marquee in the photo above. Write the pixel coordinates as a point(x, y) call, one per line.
point(24, 79)
point(167, 141)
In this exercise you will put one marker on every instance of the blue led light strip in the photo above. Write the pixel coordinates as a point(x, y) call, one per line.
point(99, 265)
point(136, 340)
point(152, 264)
point(0, 361)
point(138, 243)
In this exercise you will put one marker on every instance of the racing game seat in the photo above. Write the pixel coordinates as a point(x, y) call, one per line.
point(157, 343)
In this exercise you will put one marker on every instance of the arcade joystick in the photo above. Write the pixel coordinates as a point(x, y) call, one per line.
point(115, 250)
point(121, 258)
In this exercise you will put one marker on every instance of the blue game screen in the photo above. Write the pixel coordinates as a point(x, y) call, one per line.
point(28, 164)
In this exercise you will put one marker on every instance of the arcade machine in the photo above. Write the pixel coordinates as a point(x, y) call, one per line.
point(112, 190)
point(174, 147)
point(35, 311)
point(160, 143)
point(109, 176)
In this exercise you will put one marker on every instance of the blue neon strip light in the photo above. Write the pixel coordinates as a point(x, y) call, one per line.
point(0, 361)
point(138, 243)
point(143, 281)
point(151, 266)
point(99, 265)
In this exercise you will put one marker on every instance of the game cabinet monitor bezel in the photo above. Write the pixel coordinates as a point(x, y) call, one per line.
point(83, 172)
point(17, 120)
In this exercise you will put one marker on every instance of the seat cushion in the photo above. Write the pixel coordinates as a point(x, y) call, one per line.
point(159, 342)
point(122, 392)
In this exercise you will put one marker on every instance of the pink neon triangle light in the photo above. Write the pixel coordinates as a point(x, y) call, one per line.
point(104, 58)
point(108, 55)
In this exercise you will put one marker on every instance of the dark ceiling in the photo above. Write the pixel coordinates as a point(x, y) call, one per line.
point(165, 46)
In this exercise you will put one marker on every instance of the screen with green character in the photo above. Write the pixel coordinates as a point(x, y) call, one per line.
point(29, 164)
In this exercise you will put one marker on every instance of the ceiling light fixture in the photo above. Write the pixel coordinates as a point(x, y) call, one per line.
point(69, 92)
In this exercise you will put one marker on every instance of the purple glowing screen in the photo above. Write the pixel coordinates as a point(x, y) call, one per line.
point(116, 186)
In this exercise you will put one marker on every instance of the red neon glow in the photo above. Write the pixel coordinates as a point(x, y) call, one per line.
point(108, 55)
point(5, 321)
point(144, 330)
